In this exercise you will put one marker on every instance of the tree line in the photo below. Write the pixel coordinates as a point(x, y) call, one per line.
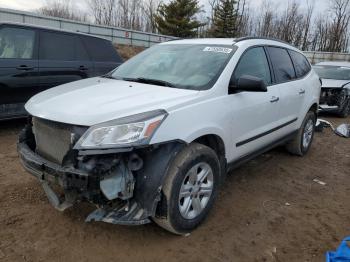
point(301, 26)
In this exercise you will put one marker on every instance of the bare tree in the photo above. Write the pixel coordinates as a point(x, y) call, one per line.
point(340, 25)
point(212, 4)
point(62, 9)
point(103, 11)
point(288, 28)
point(150, 8)
point(306, 25)
point(294, 23)
point(265, 24)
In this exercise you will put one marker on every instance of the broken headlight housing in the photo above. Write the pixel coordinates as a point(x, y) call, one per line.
point(124, 132)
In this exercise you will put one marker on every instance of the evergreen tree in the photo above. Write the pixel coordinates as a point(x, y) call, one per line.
point(224, 21)
point(178, 18)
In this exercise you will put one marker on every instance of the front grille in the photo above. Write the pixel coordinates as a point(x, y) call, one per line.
point(53, 139)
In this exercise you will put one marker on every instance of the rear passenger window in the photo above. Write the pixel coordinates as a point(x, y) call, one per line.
point(62, 47)
point(282, 64)
point(101, 50)
point(301, 64)
point(253, 63)
point(54, 46)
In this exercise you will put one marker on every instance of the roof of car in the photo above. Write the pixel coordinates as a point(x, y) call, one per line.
point(232, 41)
point(332, 63)
point(51, 28)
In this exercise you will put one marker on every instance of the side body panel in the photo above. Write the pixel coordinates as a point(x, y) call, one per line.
point(238, 117)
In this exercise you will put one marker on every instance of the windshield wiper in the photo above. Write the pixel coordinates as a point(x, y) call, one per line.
point(109, 76)
point(150, 81)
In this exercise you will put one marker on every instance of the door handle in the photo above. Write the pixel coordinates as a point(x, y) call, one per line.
point(301, 91)
point(274, 99)
point(83, 68)
point(24, 67)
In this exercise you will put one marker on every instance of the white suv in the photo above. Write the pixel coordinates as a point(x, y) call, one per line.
point(154, 139)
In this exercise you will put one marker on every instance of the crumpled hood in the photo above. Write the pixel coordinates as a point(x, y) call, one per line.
point(332, 83)
point(96, 100)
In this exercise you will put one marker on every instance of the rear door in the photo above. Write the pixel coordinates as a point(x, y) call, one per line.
point(291, 91)
point(302, 83)
point(62, 59)
point(103, 54)
point(255, 114)
point(18, 68)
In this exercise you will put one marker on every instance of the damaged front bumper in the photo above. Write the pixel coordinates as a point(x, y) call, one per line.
point(122, 196)
point(334, 99)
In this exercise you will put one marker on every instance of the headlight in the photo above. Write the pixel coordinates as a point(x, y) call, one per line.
point(128, 131)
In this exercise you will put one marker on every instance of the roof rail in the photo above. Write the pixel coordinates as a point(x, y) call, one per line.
point(260, 37)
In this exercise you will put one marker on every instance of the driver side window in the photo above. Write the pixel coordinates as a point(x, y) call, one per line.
point(253, 63)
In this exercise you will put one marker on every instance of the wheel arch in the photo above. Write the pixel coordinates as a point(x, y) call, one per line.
point(217, 144)
point(314, 108)
point(213, 141)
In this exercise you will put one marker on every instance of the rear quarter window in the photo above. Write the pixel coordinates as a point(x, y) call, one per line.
point(282, 64)
point(101, 50)
point(301, 64)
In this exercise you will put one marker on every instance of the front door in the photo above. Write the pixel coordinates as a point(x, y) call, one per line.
point(256, 114)
point(18, 69)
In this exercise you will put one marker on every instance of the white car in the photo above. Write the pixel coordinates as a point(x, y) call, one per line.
point(335, 92)
point(154, 139)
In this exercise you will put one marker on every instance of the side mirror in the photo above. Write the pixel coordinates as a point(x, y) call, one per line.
point(249, 84)
point(343, 130)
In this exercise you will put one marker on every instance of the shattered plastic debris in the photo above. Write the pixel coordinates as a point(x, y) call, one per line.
point(319, 182)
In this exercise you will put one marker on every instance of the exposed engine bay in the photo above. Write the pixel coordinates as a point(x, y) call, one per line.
point(334, 97)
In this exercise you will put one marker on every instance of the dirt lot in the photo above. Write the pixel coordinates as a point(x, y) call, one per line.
point(269, 210)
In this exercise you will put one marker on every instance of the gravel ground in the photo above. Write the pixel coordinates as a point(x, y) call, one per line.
point(269, 210)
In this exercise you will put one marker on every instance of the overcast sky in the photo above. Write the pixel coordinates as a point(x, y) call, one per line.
point(28, 5)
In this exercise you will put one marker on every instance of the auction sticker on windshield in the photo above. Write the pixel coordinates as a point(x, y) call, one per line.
point(218, 49)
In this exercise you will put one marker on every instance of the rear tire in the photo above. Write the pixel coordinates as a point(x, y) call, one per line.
point(301, 143)
point(190, 189)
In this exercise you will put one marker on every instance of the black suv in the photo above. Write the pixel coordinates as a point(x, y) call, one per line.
point(34, 58)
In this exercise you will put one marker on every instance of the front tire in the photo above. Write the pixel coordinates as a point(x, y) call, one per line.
point(346, 109)
point(301, 143)
point(190, 189)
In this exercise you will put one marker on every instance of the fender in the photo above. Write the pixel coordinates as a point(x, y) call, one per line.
point(347, 87)
point(150, 178)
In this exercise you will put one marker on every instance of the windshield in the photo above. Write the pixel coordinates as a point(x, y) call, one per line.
point(195, 67)
point(333, 72)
